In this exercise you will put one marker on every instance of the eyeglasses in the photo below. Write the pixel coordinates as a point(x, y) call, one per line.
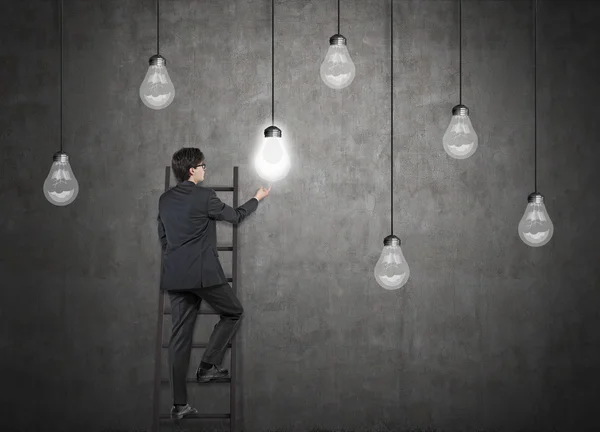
point(201, 165)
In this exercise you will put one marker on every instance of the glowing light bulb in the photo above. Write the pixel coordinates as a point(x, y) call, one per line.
point(61, 186)
point(272, 162)
point(391, 271)
point(535, 228)
point(157, 90)
point(460, 139)
point(337, 69)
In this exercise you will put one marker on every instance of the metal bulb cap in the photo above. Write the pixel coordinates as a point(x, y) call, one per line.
point(272, 131)
point(157, 60)
point(535, 197)
point(60, 156)
point(391, 240)
point(460, 110)
point(337, 39)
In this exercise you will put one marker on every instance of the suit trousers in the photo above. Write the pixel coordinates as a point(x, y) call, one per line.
point(184, 311)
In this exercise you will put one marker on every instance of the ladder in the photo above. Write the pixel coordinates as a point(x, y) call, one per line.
point(162, 313)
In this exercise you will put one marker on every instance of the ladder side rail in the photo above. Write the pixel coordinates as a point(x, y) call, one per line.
point(159, 335)
point(234, 260)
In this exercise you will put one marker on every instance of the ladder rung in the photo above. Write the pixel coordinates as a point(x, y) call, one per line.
point(199, 416)
point(193, 380)
point(210, 312)
point(166, 293)
point(225, 248)
point(197, 345)
point(221, 188)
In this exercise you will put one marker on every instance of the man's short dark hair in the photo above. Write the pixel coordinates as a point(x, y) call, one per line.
point(184, 159)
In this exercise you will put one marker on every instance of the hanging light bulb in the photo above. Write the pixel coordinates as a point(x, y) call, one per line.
point(61, 186)
point(392, 271)
point(460, 139)
point(157, 90)
point(337, 70)
point(272, 162)
point(536, 228)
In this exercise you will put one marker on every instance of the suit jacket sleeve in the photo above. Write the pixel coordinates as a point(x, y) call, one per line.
point(161, 234)
point(218, 210)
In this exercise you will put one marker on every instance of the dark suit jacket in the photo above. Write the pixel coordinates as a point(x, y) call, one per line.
point(187, 216)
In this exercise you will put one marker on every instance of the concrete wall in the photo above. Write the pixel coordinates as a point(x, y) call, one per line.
point(488, 334)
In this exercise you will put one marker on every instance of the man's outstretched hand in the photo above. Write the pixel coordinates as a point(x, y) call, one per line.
point(262, 193)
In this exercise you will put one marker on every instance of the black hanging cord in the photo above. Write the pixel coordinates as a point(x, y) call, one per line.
point(61, 75)
point(157, 28)
point(338, 17)
point(392, 114)
point(273, 62)
point(460, 51)
point(535, 97)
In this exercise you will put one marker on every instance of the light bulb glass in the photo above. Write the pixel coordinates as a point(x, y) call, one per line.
point(61, 186)
point(157, 90)
point(536, 228)
point(460, 139)
point(391, 271)
point(272, 162)
point(337, 69)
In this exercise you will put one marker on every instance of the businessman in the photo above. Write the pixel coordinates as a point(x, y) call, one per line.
point(187, 216)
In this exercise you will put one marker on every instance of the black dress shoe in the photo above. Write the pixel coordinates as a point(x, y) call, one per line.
point(214, 373)
point(179, 412)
